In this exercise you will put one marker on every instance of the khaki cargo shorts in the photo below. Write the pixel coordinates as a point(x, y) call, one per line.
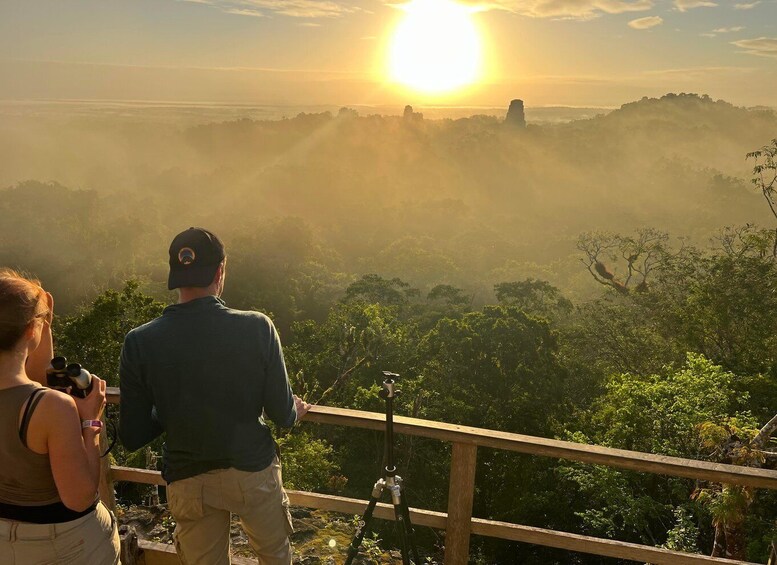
point(201, 506)
point(90, 540)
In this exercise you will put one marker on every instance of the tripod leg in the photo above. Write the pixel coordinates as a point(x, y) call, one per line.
point(410, 531)
point(394, 485)
point(365, 522)
point(402, 527)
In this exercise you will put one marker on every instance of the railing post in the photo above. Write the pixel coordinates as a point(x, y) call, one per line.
point(107, 495)
point(461, 491)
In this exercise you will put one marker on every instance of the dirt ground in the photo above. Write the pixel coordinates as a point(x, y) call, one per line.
point(319, 537)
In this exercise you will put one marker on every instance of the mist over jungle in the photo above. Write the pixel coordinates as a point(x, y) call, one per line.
point(469, 202)
point(607, 280)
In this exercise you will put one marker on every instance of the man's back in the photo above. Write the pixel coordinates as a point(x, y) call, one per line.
point(203, 374)
point(208, 372)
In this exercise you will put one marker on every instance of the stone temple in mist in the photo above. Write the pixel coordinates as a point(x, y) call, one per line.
point(515, 116)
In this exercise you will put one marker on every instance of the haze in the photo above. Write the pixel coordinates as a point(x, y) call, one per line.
point(583, 53)
point(594, 264)
point(469, 202)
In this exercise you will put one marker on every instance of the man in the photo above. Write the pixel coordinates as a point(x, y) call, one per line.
point(203, 374)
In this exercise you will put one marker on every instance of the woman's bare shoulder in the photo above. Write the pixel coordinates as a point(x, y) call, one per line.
point(55, 404)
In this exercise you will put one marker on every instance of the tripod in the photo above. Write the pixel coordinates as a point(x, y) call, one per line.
point(388, 481)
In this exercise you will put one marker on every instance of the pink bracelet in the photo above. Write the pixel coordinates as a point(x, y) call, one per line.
point(91, 424)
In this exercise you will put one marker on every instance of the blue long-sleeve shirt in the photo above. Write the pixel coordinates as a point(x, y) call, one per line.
point(203, 374)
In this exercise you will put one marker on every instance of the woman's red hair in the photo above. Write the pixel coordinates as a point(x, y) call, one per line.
point(19, 301)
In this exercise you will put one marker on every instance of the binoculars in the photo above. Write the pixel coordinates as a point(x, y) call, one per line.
point(70, 378)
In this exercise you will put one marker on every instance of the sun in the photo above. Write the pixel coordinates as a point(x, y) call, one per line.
point(436, 47)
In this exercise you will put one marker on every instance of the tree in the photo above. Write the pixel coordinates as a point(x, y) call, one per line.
point(640, 254)
point(618, 334)
point(765, 178)
point(497, 368)
point(449, 294)
point(500, 369)
point(662, 413)
point(333, 361)
point(736, 443)
point(373, 288)
point(94, 336)
point(282, 269)
point(533, 297)
point(721, 303)
point(442, 301)
point(308, 463)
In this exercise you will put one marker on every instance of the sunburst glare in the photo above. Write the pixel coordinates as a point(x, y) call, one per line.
point(436, 47)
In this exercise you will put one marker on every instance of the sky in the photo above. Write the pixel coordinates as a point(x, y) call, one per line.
point(275, 52)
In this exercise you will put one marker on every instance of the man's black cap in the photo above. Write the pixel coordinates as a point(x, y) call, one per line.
point(195, 254)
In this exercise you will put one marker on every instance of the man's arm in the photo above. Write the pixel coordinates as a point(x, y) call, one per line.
point(279, 403)
point(138, 424)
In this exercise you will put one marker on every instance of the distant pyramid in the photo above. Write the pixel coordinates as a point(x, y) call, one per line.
point(515, 116)
point(411, 116)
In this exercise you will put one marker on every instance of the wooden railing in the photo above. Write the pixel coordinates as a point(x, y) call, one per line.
point(459, 523)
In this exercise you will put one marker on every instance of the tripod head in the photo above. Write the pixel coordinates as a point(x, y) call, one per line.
point(389, 385)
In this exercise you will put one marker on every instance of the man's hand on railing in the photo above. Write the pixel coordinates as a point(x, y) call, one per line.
point(301, 406)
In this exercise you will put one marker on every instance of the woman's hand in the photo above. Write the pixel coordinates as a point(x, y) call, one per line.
point(39, 359)
point(91, 407)
point(50, 304)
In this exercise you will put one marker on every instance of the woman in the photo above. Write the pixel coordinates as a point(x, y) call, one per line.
point(49, 445)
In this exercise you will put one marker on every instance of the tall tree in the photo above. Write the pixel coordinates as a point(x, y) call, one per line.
point(765, 177)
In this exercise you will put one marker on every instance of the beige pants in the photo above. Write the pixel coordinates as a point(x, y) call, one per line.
point(91, 540)
point(201, 506)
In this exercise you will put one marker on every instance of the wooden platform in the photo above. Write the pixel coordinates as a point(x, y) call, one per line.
point(458, 522)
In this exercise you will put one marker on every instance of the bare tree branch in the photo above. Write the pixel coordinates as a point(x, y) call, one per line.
point(760, 440)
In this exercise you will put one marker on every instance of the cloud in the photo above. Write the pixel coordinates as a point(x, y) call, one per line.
point(646, 23)
point(685, 5)
point(716, 32)
point(309, 24)
point(558, 9)
point(747, 5)
point(290, 8)
point(568, 9)
point(761, 46)
point(693, 73)
point(242, 11)
point(728, 29)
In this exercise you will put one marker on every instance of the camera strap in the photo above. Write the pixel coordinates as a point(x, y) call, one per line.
point(32, 402)
point(112, 426)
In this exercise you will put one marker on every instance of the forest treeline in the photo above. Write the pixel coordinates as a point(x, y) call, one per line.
point(603, 281)
point(465, 202)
